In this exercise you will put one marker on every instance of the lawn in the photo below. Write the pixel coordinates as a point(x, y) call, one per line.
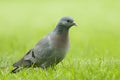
point(94, 52)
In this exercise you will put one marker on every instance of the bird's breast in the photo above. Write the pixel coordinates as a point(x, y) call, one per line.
point(60, 41)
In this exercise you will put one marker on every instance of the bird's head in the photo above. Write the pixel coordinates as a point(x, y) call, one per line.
point(66, 22)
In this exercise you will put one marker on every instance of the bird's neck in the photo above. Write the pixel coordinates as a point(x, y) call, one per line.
point(61, 30)
point(60, 37)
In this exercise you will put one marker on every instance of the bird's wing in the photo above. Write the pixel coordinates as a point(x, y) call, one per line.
point(24, 62)
point(38, 54)
point(43, 50)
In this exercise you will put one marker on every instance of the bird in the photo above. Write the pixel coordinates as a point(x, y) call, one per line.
point(50, 50)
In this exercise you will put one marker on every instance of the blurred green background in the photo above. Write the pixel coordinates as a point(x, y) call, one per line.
point(24, 22)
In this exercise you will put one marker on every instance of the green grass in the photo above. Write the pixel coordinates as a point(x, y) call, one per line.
point(95, 44)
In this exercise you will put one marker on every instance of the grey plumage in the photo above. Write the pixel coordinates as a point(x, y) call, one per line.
point(50, 50)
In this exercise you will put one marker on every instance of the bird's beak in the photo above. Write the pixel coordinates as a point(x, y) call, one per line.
point(74, 24)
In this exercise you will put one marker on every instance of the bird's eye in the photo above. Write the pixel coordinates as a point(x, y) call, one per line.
point(68, 21)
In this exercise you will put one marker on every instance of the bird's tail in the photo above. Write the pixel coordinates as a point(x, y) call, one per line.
point(17, 69)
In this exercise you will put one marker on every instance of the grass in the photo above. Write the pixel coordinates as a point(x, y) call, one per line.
point(94, 53)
